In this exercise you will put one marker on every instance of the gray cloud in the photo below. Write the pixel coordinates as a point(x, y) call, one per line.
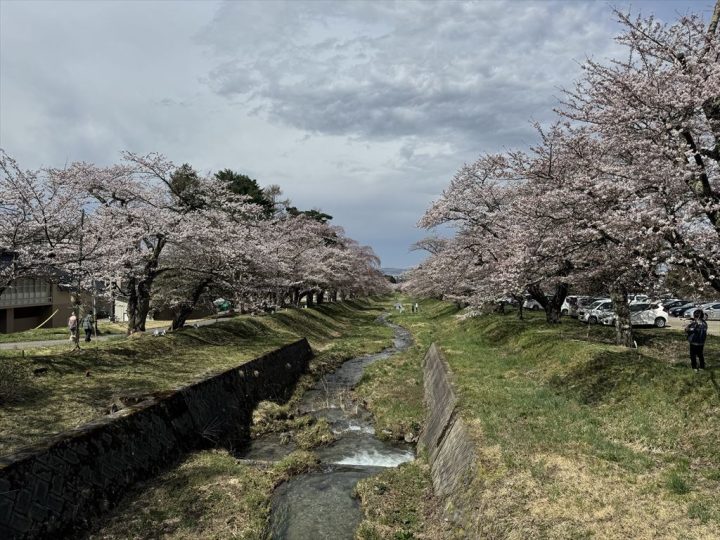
point(457, 71)
point(364, 109)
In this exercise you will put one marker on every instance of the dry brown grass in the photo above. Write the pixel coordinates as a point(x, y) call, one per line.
point(575, 437)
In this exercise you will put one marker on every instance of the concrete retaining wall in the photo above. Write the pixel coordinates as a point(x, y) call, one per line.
point(445, 437)
point(51, 489)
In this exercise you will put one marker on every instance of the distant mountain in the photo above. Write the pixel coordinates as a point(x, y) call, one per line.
point(394, 271)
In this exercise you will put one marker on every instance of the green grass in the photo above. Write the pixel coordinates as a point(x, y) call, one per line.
point(210, 495)
point(393, 501)
point(79, 386)
point(40, 334)
point(575, 436)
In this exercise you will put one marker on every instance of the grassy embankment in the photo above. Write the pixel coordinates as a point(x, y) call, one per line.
point(211, 494)
point(575, 437)
point(79, 386)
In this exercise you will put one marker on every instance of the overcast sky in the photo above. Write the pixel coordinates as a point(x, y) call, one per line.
point(362, 109)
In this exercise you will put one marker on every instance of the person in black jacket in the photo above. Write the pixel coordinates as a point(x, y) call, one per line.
point(87, 324)
point(697, 333)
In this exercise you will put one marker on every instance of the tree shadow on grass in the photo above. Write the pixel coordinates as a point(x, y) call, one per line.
point(615, 376)
point(311, 326)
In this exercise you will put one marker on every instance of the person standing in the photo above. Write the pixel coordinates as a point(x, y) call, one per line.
point(72, 325)
point(87, 325)
point(697, 333)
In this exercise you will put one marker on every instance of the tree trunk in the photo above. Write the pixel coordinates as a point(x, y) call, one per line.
point(520, 300)
point(320, 297)
point(333, 296)
point(623, 325)
point(186, 309)
point(308, 296)
point(132, 306)
point(553, 304)
point(180, 316)
point(557, 301)
point(143, 303)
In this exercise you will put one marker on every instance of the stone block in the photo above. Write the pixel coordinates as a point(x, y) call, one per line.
point(20, 523)
point(40, 490)
point(6, 508)
point(23, 500)
point(55, 503)
point(5, 486)
point(38, 513)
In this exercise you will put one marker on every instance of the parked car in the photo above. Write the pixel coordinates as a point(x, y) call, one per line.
point(532, 304)
point(574, 303)
point(677, 311)
point(642, 315)
point(667, 305)
point(688, 313)
point(712, 313)
point(597, 311)
point(638, 298)
point(583, 311)
point(569, 304)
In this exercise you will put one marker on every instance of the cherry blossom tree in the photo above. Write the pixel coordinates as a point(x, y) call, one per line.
point(139, 211)
point(660, 110)
point(631, 186)
point(39, 223)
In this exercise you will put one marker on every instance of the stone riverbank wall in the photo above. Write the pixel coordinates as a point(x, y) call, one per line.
point(446, 439)
point(50, 490)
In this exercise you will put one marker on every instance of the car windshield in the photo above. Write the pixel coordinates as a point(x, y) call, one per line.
point(639, 307)
point(595, 304)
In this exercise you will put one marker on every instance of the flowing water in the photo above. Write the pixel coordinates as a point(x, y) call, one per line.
point(319, 505)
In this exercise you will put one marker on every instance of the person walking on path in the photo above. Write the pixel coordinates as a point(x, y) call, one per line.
point(87, 325)
point(697, 333)
point(72, 325)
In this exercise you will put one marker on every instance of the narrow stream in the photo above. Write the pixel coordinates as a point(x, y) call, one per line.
point(319, 505)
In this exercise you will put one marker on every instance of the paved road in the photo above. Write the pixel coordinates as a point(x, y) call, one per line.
point(51, 342)
point(18, 345)
point(679, 324)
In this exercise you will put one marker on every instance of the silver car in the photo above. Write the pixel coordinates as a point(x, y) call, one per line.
point(643, 315)
point(712, 312)
point(597, 311)
point(689, 313)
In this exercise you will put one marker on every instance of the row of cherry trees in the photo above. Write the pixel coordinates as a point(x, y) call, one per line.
point(162, 236)
point(625, 185)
